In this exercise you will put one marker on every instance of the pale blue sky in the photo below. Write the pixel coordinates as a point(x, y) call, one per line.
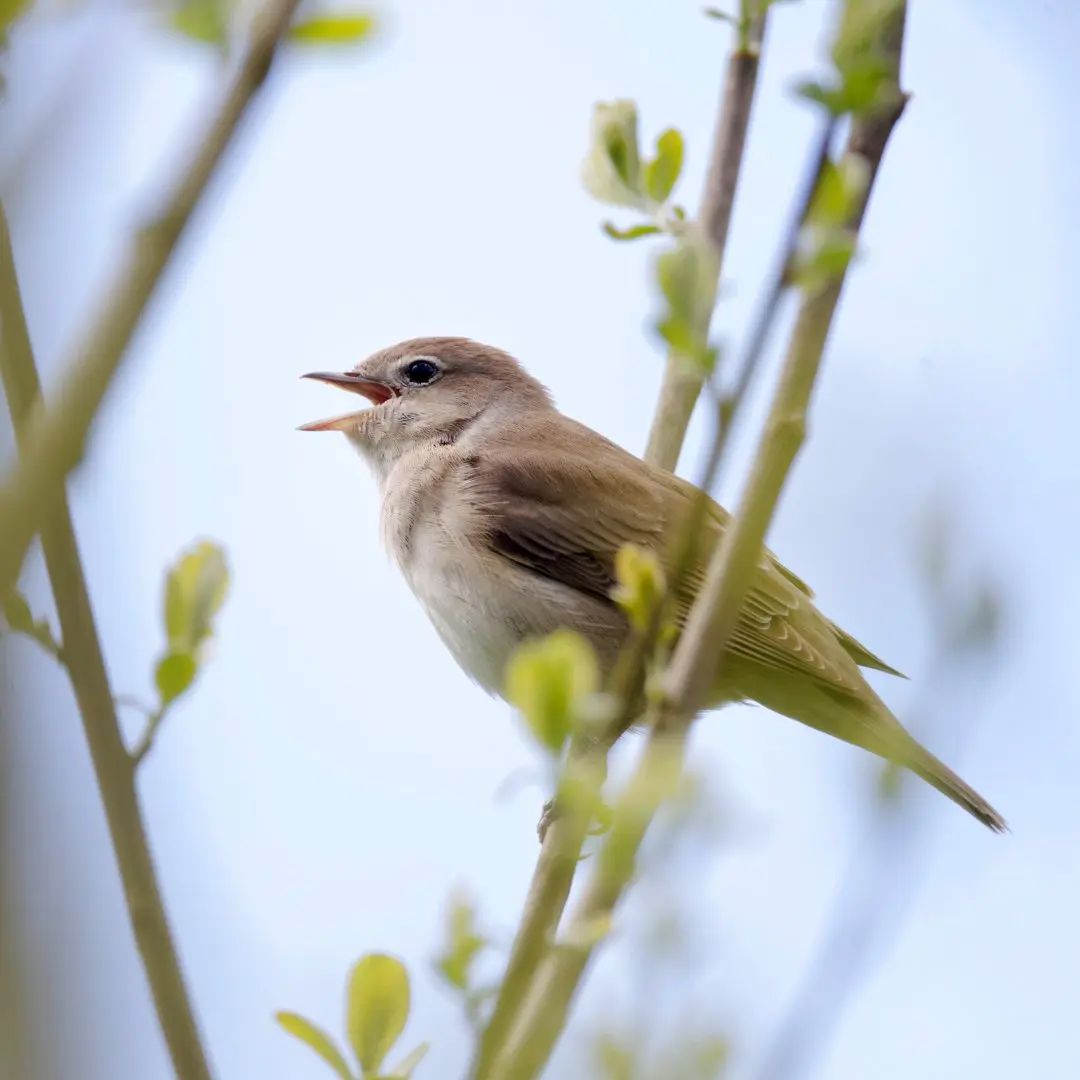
point(334, 775)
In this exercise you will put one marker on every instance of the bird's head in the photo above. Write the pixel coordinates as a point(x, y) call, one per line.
point(428, 391)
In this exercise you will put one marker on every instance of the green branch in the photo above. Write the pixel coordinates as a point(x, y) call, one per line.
point(54, 439)
point(33, 500)
point(113, 766)
point(682, 385)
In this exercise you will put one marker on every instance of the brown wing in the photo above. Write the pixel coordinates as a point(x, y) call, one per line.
point(565, 513)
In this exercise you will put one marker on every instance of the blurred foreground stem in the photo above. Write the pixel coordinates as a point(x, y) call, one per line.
point(33, 501)
point(113, 766)
point(54, 439)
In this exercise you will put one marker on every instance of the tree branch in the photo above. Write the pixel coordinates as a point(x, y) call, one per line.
point(54, 439)
point(83, 658)
point(682, 387)
point(32, 500)
point(709, 626)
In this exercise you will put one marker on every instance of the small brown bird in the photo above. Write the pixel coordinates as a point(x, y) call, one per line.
point(505, 518)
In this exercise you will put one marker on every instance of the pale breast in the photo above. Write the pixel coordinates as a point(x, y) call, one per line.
point(482, 605)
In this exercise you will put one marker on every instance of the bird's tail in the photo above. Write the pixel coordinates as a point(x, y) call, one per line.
point(867, 722)
point(937, 774)
point(882, 734)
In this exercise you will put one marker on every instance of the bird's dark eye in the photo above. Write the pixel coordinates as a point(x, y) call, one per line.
point(420, 372)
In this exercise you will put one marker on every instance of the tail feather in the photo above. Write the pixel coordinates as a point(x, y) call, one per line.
point(864, 721)
point(938, 775)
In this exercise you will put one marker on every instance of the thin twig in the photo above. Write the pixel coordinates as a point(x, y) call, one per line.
point(681, 387)
point(33, 499)
point(712, 618)
point(55, 437)
point(146, 740)
point(83, 658)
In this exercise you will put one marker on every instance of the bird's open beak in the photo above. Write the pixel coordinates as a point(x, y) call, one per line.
point(375, 392)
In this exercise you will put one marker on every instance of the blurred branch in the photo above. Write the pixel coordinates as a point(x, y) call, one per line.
point(682, 386)
point(32, 500)
point(54, 439)
point(693, 667)
point(113, 766)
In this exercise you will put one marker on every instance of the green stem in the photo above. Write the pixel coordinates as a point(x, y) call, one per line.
point(85, 663)
point(682, 386)
point(54, 439)
point(146, 739)
point(33, 500)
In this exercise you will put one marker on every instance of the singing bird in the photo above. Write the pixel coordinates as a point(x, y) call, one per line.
point(505, 517)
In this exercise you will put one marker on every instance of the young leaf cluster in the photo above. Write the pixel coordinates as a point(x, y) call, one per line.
point(210, 22)
point(377, 1003)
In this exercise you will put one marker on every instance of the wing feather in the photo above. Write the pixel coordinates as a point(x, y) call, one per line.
point(565, 515)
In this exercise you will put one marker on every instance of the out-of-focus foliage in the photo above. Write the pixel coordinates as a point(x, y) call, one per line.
point(742, 20)
point(345, 28)
point(861, 73)
point(195, 589)
point(640, 585)
point(687, 275)
point(615, 173)
point(377, 1003)
point(554, 683)
point(196, 586)
point(826, 241)
point(21, 620)
point(456, 962)
point(211, 22)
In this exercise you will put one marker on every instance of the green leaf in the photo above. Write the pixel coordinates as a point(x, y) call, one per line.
point(317, 1039)
point(678, 334)
point(640, 585)
point(828, 259)
point(721, 16)
point(404, 1069)
point(174, 674)
point(346, 28)
point(463, 943)
point(662, 173)
point(857, 44)
point(635, 232)
point(20, 620)
point(551, 682)
point(195, 589)
point(611, 171)
point(687, 276)
point(376, 1009)
point(588, 934)
point(834, 198)
point(202, 20)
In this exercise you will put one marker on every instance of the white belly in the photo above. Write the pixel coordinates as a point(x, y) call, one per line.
point(482, 604)
point(468, 611)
